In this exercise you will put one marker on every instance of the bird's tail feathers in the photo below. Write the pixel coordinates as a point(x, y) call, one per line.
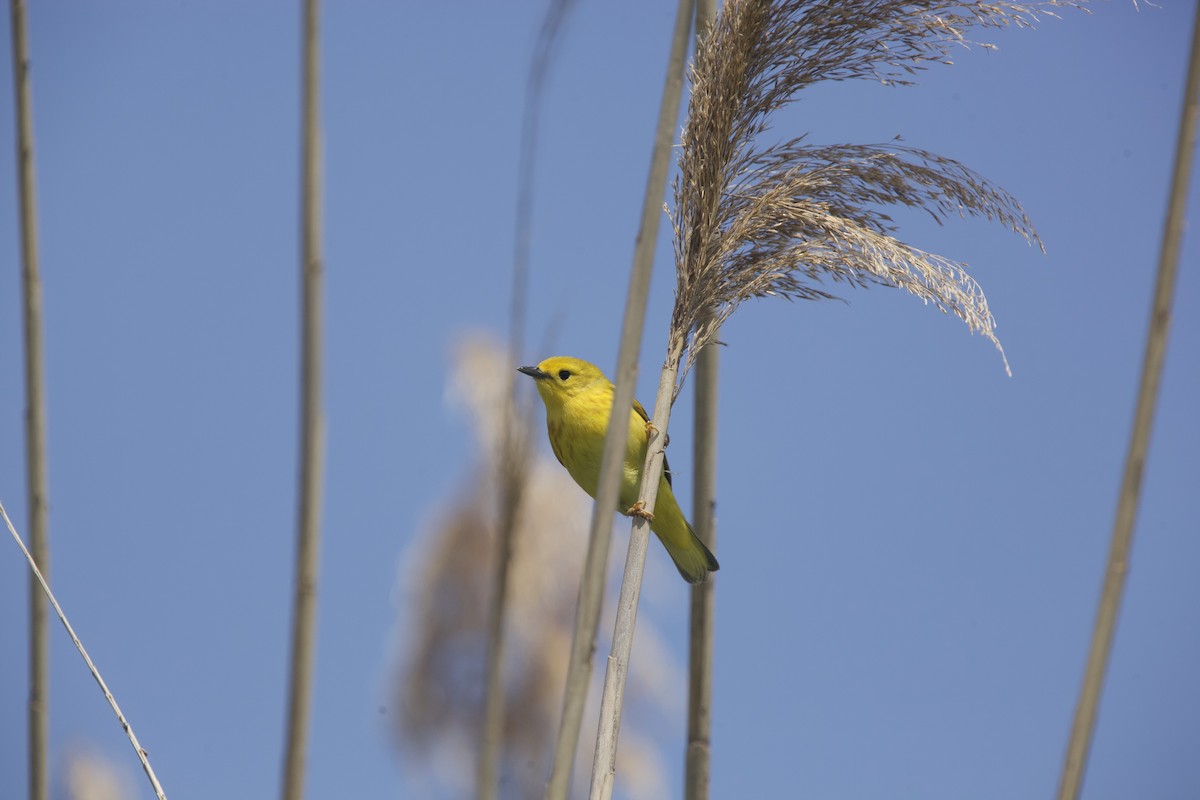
point(692, 558)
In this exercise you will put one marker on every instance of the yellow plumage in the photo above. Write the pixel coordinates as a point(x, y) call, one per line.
point(578, 400)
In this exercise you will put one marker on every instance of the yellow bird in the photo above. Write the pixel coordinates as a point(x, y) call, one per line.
point(578, 401)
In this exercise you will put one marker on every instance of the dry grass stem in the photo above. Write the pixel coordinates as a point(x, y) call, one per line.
point(1139, 441)
point(312, 425)
point(702, 608)
point(112, 701)
point(36, 469)
point(702, 611)
point(790, 219)
point(604, 760)
point(517, 443)
point(512, 468)
point(587, 619)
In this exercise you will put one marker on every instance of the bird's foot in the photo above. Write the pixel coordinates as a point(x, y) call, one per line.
point(638, 509)
point(652, 431)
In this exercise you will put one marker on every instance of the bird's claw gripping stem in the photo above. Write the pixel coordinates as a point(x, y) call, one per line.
point(638, 509)
point(651, 430)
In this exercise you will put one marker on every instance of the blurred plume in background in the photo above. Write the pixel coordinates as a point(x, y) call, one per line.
point(437, 680)
point(90, 776)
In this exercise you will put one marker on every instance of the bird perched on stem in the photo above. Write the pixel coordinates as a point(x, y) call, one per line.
point(578, 401)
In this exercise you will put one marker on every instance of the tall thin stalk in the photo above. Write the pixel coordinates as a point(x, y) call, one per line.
point(604, 760)
point(35, 414)
point(515, 446)
point(304, 599)
point(44, 588)
point(512, 478)
point(591, 589)
point(698, 755)
point(703, 597)
point(1139, 441)
point(783, 220)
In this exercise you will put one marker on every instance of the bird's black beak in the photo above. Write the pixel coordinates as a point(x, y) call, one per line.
point(534, 373)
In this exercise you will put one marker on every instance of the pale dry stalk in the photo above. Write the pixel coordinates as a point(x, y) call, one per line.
point(612, 700)
point(312, 424)
point(1139, 441)
point(35, 413)
point(514, 462)
point(702, 609)
point(512, 480)
point(591, 589)
point(112, 701)
point(703, 596)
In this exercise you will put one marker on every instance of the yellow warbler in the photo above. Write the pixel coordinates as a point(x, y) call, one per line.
point(578, 401)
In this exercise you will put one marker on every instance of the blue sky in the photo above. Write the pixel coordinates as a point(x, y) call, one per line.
point(911, 542)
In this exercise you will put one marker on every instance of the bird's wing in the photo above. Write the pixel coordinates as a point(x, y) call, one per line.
point(555, 431)
point(642, 413)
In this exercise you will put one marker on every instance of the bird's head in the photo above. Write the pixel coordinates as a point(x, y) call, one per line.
point(561, 378)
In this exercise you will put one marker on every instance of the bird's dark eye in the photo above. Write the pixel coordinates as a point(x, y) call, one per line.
point(563, 374)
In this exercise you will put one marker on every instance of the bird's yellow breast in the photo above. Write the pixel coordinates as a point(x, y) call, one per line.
point(576, 430)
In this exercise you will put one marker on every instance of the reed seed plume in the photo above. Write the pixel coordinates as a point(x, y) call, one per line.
point(791, 219)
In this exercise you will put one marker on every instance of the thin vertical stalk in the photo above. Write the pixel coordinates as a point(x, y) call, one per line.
point(1135, 461)
point(513, 470)
point(698, 756)
point(703, 601)
point(591, 589)
point(512, 478)
point(513, 461)
point(604, 760)
point(35, 414)
point(304, 610)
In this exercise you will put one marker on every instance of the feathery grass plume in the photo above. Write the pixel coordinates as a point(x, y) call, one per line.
point(436, 684)
point(788, 219)
point(753, 221)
